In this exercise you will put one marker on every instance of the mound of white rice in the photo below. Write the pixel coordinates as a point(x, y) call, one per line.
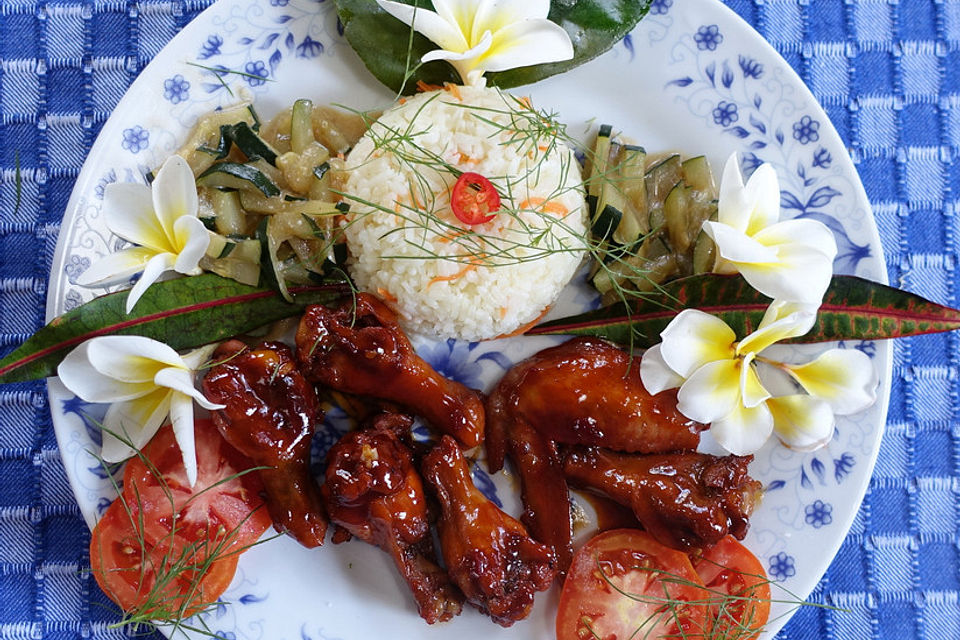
point(445, 278)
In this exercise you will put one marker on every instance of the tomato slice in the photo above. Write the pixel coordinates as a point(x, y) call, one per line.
point(474, 199)
point(221, 501)
point(730, 569)
point(618, 587)
point(157, 580)
point(166, 548)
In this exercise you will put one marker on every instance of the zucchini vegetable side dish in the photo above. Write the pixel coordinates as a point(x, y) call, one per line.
point(324, 237)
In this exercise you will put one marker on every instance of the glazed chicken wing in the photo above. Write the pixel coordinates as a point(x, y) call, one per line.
point(359, 348)
point(588, 392)
point(546, 500)
point(269, 415)
point(684, 500)
point(374, 492)
point(488, 554)
point(584, 391)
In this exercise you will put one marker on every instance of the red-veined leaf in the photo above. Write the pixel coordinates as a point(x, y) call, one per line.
point(853, 309)
point(183, 313)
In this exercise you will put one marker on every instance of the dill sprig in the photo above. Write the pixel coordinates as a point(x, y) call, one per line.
point(174, 600)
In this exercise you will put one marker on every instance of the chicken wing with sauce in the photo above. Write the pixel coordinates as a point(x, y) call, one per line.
point(270, 414)
point(373, 491)
point(488, 554)
point(684, 500)
point(359, 348)
point(585, 392)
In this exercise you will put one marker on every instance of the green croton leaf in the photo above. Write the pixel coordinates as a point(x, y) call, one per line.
point(183, 313)
point(388, 48)
point(852, 309)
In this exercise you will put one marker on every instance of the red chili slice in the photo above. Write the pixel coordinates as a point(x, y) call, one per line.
point(474, 199)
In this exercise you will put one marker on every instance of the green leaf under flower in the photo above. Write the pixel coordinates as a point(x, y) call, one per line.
point(183, 313)
point(853, 309)
point(387, 49)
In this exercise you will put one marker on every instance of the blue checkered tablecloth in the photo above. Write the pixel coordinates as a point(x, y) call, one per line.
point(886, 71)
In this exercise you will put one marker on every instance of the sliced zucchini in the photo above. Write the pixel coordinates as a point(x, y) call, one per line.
point(697, 173)
point(255, 202)
point(661, 178)
point(229, 219)
point(206, 134)
point(301, 126)
point(234, 175)
point(235, 259)
point(598, 167)
point(676, 210)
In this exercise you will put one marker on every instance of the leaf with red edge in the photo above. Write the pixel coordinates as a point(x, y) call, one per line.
point(853, 309)
point(183, 313)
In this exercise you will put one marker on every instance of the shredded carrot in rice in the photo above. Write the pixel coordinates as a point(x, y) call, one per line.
point(453, 236)
point(453, 90)
point(385, 295)
point(542, 204)
point(465, 159)
point(423, 87)
point(525, 101)
point(530, 325)
point(475, 262)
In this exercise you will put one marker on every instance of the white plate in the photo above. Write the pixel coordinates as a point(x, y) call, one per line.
point(692, 77)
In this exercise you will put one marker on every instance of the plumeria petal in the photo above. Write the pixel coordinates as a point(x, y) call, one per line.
point(694, 338)
point(90, 385)
point(131, 358)
point(762, 192)
point(526, 43)
point(751, 207)
point(476, 36)
point(655, 374)
point(174, 196)
point(197, 358)
point(712, 392)
point(802, 422)
point(133, 422)
point(158, 265)
point(181, 417)
point(495, 14)
point(192, 241)
point(744, 430)
point(804, 276)
point(129, 213)
point(752, 391)
point(440, 31)
point(737, 247)
point(844, 378)
point(466, 63)
point(781, 321)
point(805, 252)
point(115, 268)
point(181, 381)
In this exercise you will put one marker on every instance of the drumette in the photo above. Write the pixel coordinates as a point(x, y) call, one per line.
point(583, 392)
point(358, 348)
point(270, 414)
point(488, 554)
point(684, 500)
point(373, 491)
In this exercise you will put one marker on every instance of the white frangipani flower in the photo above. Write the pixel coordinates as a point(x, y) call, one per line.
point(145, 381)
point(476, 36)
point(719, 382)
point(788, 260)
point(162, 220)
